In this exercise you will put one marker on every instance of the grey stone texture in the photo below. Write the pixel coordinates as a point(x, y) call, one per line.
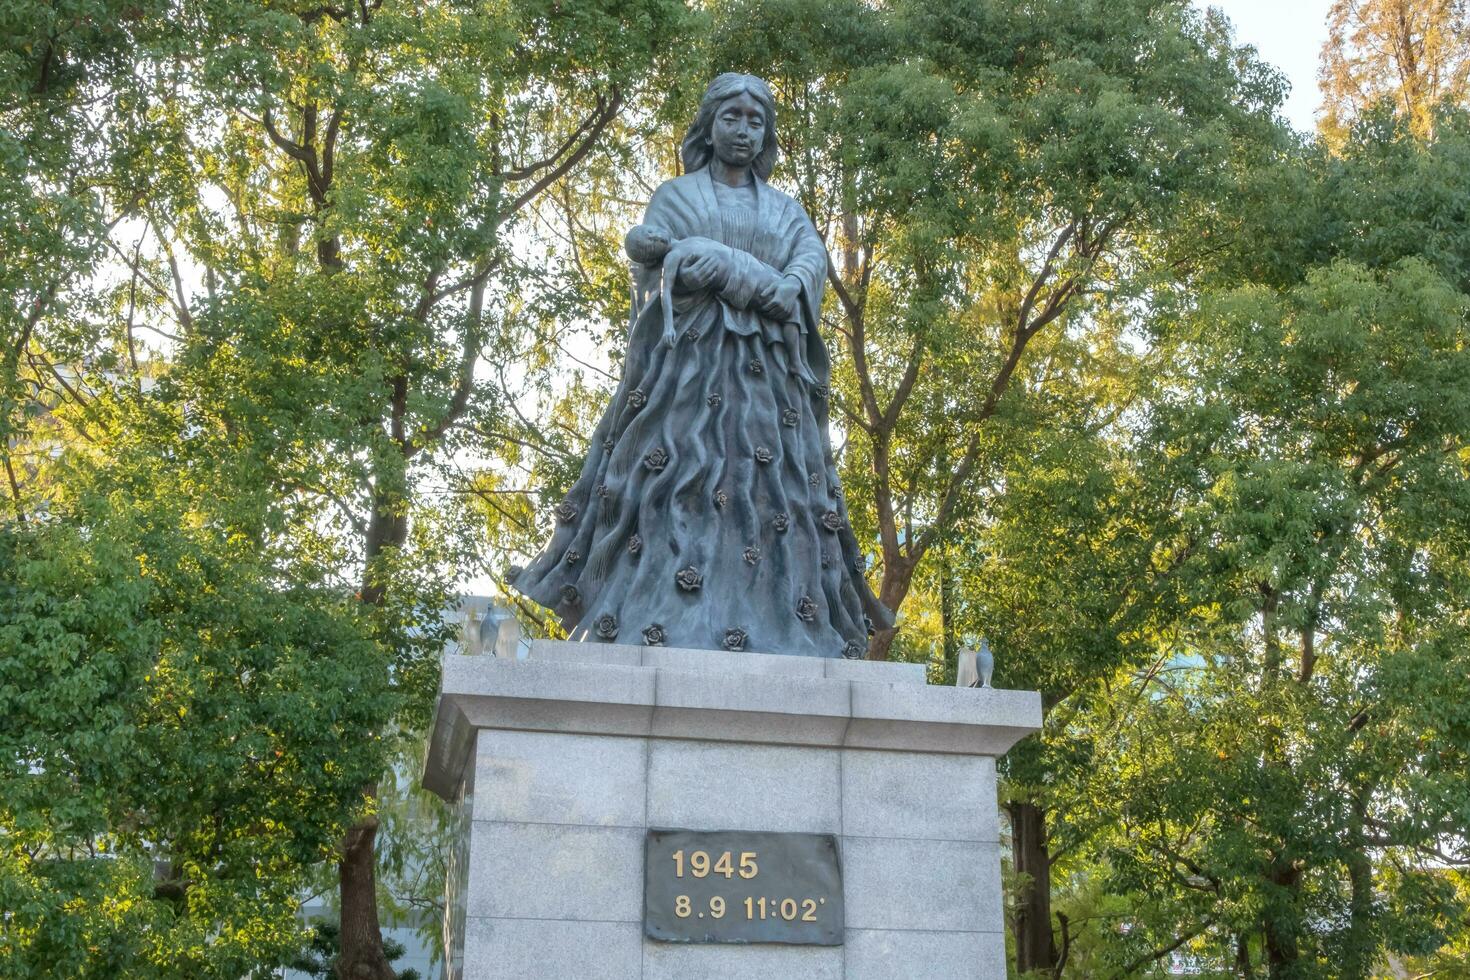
point(678, 961)
point(887, 954)
point(551, 871)
point(919, 795)
point(564, 687)
point(539, 777)
point(723, 786)
point(497, 949)
point(921, 884)
point(563, 760)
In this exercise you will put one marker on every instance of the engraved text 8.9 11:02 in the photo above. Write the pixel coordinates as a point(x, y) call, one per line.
point(742, 887)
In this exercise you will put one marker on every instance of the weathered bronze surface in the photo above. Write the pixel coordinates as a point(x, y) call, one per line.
point(735, 886)
point(709, 513)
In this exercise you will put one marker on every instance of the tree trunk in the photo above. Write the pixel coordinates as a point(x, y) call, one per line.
point(1282, 950)
point(1361, 949)
point(362, 955)
point(1243, 957)
point(898, 576)
point(880, 642)
point(1035, 945)
point(949, 638)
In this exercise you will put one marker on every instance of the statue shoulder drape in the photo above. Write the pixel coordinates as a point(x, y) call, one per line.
point(786, 243)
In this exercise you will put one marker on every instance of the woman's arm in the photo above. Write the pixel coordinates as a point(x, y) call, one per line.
point(790, 294)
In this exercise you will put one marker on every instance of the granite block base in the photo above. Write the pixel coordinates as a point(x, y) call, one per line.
point(559, 764)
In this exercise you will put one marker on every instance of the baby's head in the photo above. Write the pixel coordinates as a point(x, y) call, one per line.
point(646, 244)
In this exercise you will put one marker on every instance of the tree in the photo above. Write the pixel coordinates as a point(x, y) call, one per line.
point(993, 181)
point(171, 681)
point(981, 173)
point(56, 211)
point(176, 687)
point(319, 961)
point(1414, 54)
point(306, 210)
point(1313, 711)
point(1268, 776)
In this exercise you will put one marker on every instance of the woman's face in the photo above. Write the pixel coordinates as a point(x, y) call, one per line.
point(739, 131)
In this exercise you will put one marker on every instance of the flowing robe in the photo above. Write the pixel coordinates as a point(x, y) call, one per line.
point(708, 513)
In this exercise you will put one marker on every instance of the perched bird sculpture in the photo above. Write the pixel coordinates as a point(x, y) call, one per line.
point(975, 667)
point(985, 663)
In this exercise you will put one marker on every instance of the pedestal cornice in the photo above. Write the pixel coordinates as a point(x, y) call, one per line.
point(655, 692)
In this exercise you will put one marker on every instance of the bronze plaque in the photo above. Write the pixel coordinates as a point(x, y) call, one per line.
point(734, 886)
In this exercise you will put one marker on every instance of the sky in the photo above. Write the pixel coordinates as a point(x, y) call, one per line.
point(1288, 34)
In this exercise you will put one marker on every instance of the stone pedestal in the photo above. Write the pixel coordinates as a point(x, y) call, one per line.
point(560, 763)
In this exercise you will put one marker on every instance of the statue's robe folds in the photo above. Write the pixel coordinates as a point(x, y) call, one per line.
point(708, 513)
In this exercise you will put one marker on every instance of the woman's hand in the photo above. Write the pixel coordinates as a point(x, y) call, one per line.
point(706, 266)
point(779, 301)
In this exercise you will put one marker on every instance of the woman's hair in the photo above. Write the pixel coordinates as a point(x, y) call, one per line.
point(697, 151)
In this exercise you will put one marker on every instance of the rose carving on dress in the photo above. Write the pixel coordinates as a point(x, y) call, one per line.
point(656, 459)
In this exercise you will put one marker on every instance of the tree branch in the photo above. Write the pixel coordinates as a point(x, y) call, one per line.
point(607, 111)
point(905, 385)
point(20, 513)
point(459, 401)
point(1161, 952)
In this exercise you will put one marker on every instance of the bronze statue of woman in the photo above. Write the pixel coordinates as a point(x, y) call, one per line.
point(708, 513)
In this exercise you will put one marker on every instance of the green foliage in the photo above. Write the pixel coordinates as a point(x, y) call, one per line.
point(175, 700)
point(261, 271)
point(998, 183)
point(1168, 404)
point(1273, 774)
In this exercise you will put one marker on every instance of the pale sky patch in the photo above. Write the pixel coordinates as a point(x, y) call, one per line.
point(1289, 34)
